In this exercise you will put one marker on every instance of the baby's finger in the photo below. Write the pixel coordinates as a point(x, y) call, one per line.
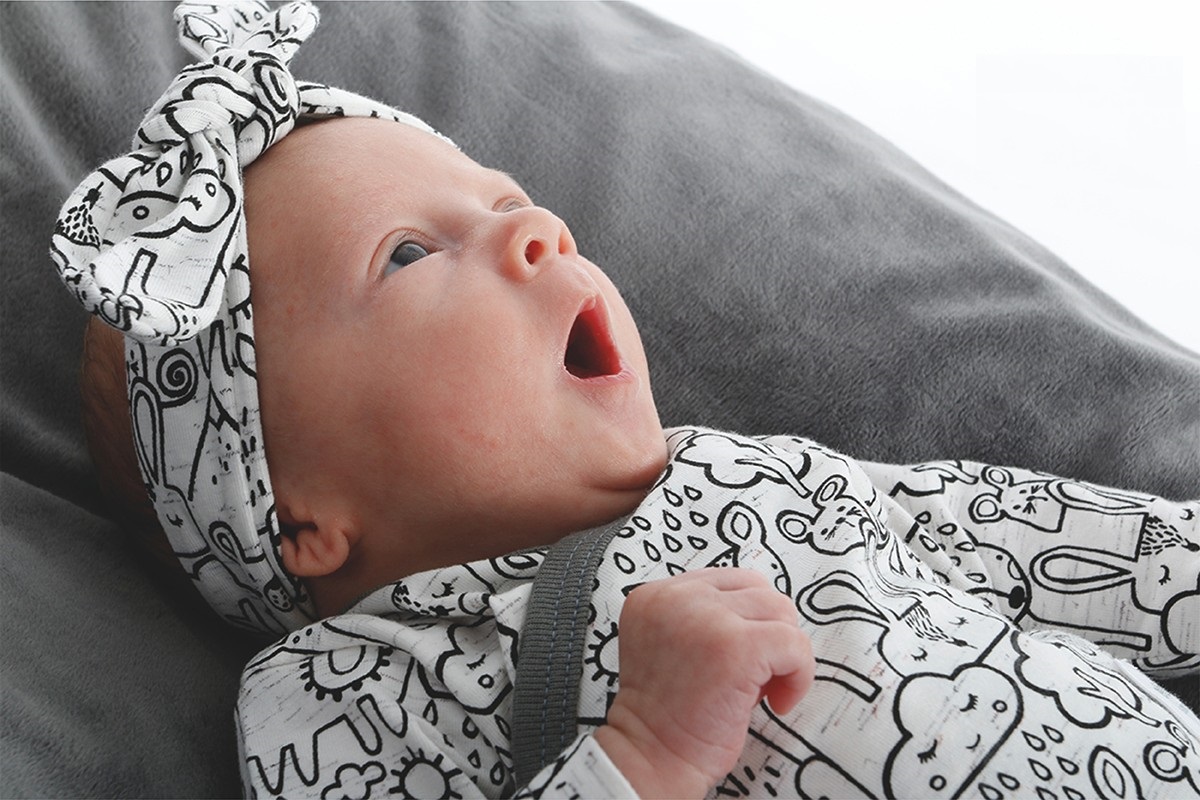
point(725, 579)
point(787, 651)
point(760, 604)
point(783, 692)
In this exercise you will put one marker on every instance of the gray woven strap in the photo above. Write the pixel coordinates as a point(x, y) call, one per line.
point(551, 655)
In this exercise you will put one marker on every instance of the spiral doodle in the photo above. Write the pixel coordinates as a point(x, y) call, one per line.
point(176, 377)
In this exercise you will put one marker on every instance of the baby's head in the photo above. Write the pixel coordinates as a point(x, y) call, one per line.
point(441, 376)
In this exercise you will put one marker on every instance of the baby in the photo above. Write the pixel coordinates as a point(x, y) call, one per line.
point(446, 391)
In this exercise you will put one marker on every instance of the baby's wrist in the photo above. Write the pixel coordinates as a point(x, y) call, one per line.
point(651, 769)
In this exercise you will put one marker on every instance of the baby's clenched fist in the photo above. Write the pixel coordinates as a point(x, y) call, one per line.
point(698, 652)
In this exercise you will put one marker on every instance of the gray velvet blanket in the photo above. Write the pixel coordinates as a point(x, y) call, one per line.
point(790, 271)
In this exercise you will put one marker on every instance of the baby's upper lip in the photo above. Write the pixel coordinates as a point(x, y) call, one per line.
point(590, 351)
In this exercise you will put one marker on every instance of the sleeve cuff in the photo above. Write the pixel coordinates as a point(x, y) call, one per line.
point(583, 770)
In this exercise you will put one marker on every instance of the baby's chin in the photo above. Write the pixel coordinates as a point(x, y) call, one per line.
point(641, 462)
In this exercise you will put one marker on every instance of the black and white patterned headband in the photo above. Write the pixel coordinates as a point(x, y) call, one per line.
point(154, 243)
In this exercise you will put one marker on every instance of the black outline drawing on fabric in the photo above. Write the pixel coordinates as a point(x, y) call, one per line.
point(931, 759)
point(816, 529)
point(1155, 578)
point(422, 776)
point(928, 634)
point(848, 678)
point(603, 655)
point(937, 655)
point(745, 781)
point(1053, 772)
point(1178, 624)
point(1088, 570)
point(178, 377)
point(1112, 778)
point(814, 773)
point(1097, 694)
point(1042, 502)
point(137, 257)
point(354, 781)
point(1158, 535)
point(662, 546)
point(879, 590)
point(1165, 760)
point(550, 783)
point(996, 576)
point(740, 527)
point(520, 565)
point(452, 670)
point(1004, 586)
point(932, 478)
point(366, 726)
point(345, 669)
point(755, 463)
point(76, 224)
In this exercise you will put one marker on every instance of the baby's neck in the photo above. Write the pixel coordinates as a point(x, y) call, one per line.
point(367, 570)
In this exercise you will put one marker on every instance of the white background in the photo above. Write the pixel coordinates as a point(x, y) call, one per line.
point(1077, 122)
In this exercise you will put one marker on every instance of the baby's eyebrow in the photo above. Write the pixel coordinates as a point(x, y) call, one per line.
point(504, 176)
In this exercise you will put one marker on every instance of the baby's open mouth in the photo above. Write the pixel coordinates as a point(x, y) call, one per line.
point(590, 349)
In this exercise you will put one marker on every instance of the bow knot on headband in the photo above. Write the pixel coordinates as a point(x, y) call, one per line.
point(244, 84)
point(180, 188)
point(154, 244)
point(214, 96)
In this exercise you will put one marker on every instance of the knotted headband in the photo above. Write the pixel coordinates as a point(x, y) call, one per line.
point(154, 243)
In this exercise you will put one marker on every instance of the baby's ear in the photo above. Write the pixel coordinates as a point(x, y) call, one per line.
point(312, 551)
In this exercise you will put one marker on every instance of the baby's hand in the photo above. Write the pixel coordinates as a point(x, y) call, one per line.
point(698, 652)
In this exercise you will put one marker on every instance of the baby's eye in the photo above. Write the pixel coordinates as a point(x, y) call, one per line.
point(404, 254)
point(512, 204)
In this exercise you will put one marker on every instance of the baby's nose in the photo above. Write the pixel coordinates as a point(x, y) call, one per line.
point(536, 238)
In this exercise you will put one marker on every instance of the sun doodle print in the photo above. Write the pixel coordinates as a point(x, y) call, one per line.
point(331, 674)
point(602, 656)
point(422, 776)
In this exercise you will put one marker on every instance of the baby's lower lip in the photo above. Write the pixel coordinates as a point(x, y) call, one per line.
point(623, 375)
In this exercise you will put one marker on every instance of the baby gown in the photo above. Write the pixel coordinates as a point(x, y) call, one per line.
point(975, 630)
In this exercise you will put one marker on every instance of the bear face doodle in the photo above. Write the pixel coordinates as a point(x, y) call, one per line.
point(1042, 502)
point(833, 527)
point(1006, 586)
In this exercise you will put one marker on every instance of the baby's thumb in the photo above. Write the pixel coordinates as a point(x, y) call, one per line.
point(783, 692)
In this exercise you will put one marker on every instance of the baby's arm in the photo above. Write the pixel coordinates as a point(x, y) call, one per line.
point(341, 706)
point(698, 653)
point(1117, 567)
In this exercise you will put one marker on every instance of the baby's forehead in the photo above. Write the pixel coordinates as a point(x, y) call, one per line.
point(353, 152)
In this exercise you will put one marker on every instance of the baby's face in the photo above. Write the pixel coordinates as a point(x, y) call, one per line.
point(440, 371)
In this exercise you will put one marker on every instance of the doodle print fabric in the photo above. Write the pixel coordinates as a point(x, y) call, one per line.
point(974, 629)
point(154, 244)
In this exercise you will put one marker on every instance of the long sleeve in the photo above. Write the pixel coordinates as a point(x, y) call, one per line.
point(1119, 568)
point(352, 708)
point(582, 770)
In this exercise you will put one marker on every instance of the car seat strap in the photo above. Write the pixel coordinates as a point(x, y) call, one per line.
point(550, 658)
